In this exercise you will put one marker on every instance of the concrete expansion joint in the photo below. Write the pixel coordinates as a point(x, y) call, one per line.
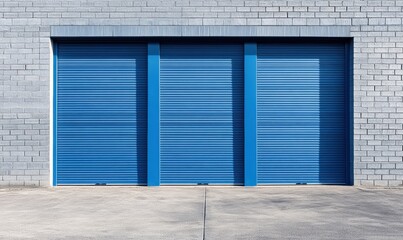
point(204, 213)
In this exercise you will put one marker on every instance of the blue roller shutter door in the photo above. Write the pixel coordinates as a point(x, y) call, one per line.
point(301, 114)
point(201, 93)
point(101, 116)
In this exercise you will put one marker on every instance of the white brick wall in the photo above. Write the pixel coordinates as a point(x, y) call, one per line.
point(24, 69)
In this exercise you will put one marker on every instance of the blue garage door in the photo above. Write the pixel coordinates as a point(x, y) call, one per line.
point(201, 114)
point(101, 114)
point(301, 114)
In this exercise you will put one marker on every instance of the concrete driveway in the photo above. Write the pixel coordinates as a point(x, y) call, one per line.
point(303, 212)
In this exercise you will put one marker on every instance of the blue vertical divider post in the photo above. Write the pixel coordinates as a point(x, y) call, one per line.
point(250, 61)
point(55, 53)
point(349, 92)
point(153, 140)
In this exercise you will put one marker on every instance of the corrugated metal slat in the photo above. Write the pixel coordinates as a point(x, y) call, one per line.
point(301, 114)
point(101, 113)
point(201, 96)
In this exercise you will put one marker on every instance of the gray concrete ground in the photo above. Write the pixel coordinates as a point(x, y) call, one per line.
point(303, 212)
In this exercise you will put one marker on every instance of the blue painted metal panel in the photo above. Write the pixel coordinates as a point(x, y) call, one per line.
point(55, 53)
point(301, 113)
point(153, 115)
point(349, 81)
point(250, 114)
point(201, 92)
point(101, 114)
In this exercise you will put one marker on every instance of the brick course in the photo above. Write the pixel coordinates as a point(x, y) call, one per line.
point(25, 60)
